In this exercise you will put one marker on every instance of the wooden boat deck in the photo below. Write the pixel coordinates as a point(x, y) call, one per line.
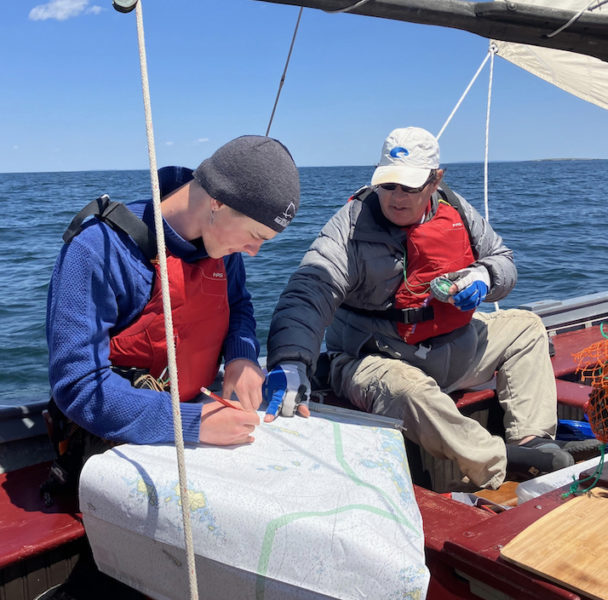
point(39, 545)
point(470, 544)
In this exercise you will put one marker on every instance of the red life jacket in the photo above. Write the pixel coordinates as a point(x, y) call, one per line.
point(200, 312)
point(438, 246)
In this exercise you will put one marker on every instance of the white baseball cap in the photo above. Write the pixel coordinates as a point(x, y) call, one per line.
point(408, 156)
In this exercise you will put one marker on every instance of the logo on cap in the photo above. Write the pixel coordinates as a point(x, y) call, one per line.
point(288, 214)
point(395, 152)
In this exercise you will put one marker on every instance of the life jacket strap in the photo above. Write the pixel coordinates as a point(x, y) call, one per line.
point(409, 316)
point(120, 218)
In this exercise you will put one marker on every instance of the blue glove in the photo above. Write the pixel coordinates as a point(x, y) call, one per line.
point(473, 284)
point(472, 296)
point(285, 388)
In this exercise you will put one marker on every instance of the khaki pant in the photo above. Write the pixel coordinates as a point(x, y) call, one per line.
point(512, 344)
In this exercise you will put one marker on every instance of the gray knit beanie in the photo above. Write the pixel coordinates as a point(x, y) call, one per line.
point(256, 176)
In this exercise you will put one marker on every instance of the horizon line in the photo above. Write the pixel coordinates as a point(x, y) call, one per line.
point(464, 162)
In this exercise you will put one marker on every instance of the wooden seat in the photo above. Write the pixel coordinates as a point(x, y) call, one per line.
point(27, 527)
point(570, 393)
point(568, 343)
point(471, 400)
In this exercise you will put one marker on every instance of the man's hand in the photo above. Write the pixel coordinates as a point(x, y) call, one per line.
point(244, 378)
point(225, 426)
point(287, 389)
point(470, 287)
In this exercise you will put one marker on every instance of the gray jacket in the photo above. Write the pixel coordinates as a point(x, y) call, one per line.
point(357, 260)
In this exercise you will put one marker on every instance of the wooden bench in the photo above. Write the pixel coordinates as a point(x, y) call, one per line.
point(571, 399)
point(39, 545)
point(569, 343)
point(571, 394)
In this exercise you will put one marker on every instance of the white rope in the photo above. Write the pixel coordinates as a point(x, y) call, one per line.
point(162, 257)
point(348, 8)
point(485, 60)
point(576, 17)
point(490, 55)
point(276, 101)
point(492, 52)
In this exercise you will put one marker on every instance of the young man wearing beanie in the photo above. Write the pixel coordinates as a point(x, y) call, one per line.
point(396, 276)
point(105, 325)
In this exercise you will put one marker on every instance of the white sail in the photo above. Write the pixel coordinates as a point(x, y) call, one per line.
point(583, 76)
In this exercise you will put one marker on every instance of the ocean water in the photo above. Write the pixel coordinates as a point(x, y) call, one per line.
point(551, 213)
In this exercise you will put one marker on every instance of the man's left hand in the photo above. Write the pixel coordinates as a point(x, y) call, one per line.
point(470, 287)
point(245, 379)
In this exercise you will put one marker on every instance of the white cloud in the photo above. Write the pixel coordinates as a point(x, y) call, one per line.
point(169, 143)
point(15, 147)
point(62, 10)
point(202, 140)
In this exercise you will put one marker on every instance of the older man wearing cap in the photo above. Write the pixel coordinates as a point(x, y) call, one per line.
point(395, 277)
point(105, 324)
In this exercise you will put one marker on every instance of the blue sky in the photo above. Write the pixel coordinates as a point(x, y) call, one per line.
point(71, 88)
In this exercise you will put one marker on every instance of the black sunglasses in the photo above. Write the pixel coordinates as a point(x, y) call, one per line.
point(389, 187)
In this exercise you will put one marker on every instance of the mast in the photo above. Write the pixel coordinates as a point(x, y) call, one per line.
point(507, 21)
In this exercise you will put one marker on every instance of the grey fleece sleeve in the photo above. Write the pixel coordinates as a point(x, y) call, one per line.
point(315, 290)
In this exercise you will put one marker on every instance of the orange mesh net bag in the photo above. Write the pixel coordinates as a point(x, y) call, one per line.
point(593, 370)
point(592, 366)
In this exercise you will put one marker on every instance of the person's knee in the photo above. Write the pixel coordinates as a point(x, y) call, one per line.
point(535, 329)
point(525, 325)
point(397, 390)
point(539, 327)
point(372, 384)
point(527, 318)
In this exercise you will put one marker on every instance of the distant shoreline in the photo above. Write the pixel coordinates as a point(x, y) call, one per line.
point(562, 159)
point(464, 162)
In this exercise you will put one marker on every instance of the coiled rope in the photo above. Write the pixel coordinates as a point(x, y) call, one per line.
point(162, 258)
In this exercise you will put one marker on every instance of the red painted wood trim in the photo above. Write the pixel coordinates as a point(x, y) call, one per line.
point(27, 527)
point(567, 344)
point(571, 393)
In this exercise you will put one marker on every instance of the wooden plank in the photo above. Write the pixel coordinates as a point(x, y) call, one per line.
point(571, 393)
point(568, 545)
point(506, 494)
point(27, 526)
point(568, 343)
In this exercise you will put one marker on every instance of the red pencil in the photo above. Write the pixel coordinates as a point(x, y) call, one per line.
point(221, 400)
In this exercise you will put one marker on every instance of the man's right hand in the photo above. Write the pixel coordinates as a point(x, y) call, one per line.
point(225, 426)
point(287, 390)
